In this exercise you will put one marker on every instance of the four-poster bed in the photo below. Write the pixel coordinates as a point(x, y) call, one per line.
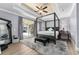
point(47, 28)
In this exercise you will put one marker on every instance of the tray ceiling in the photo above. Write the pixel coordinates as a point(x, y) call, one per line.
point(50, 7)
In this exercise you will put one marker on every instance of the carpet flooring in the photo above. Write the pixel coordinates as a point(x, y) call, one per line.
point(50, 49)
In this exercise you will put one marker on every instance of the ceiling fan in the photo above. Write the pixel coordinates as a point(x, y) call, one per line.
point(41, 9)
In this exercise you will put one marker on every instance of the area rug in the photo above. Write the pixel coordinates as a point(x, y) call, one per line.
point(50, 49)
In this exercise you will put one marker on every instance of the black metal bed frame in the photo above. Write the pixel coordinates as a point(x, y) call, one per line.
point(55, 28)
point(9, 25)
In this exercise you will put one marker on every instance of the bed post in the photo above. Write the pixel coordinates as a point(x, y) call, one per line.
point(45, 25)
point(58, 21)
point(35, 27)
point(58, 24)
point(54, 26)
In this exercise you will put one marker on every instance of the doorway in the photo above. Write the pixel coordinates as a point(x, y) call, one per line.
point(28, 28)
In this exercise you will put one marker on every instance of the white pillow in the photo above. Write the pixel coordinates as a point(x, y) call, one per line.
point(50, 29)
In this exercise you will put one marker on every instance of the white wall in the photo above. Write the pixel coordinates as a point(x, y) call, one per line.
point(42, 26)
point(78, 25)
point(50, 24)
point(73, 24)
point(70, 24)
point(64, 23)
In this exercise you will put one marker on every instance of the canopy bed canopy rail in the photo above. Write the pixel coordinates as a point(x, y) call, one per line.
point(55, 25)
point(55, 28)
point(58, 20)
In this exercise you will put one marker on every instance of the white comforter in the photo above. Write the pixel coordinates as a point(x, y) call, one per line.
point(48, 33)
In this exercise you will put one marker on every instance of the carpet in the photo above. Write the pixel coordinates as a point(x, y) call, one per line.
point(50, 49)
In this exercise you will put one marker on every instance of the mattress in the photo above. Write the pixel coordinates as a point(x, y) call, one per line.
point(48, 33)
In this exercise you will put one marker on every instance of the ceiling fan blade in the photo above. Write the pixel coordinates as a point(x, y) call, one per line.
point(37, 11)
point(45, 11)
point(45, 7)
point(37, 7)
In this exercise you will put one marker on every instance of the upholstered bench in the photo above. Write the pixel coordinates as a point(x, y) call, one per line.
point(43, 40)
